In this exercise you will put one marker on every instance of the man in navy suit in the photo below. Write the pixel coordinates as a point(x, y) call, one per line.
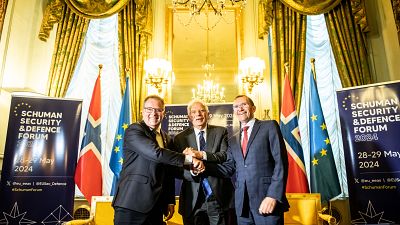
point(146, 188)
point(204, 199)
point(258, 156)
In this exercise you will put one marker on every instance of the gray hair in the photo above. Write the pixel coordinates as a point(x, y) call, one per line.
point(191, 103)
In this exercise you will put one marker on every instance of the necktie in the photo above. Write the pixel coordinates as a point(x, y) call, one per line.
point(245, 140)
point(204, 182)
point(159, 139)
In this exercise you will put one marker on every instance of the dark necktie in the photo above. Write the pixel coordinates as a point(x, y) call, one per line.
point(204, 182)
point(245, 140)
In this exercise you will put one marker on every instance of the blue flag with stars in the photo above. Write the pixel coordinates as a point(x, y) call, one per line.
point(117, 158)
point(323, 178)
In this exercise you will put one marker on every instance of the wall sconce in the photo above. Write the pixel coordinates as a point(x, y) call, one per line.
point(157, 72)
point(251, 72)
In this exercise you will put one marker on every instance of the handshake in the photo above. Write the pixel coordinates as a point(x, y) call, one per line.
point(197, 163)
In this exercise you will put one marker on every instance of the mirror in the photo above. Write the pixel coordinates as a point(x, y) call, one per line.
point(188, 50)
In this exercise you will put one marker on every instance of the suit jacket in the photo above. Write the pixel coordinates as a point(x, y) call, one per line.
point(216, 147)
point(144, 179)
point(263, 170)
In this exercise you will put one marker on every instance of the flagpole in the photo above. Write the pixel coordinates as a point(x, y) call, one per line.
point(103, 142)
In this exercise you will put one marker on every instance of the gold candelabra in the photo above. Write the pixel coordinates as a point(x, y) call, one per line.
point(251, 72)
point(157, 72)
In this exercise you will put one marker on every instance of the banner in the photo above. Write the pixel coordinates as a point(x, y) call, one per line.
point(370, 121)
point(37, 180)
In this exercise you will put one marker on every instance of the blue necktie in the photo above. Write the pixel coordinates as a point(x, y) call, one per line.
point(204, 182)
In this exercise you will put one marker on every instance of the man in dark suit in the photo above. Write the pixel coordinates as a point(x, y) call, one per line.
point(204, 199)
point(258, 156)
point(146, 189)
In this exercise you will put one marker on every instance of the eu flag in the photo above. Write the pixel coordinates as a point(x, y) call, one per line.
point(117, 159)
point(323, 174)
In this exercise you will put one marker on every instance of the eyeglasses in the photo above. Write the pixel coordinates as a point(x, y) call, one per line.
point(151, 110)
point(242, 105)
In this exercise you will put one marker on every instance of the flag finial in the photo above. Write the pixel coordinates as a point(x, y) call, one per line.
point(286, 67)
point(127, 70)
point(100, 69)
point(313, 68)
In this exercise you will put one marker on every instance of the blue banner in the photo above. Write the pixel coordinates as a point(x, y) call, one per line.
point(370, 121)
point(37, 183)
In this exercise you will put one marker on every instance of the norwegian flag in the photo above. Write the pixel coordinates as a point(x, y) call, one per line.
point(297, 176)
point(88, 175)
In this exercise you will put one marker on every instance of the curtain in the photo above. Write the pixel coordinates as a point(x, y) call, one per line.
point(349, 45)
point(134, 34)
point(289, 43)
point(3, 9)
point(328, 81)
point(100, 47)
point(396, 13)
point(70, 35)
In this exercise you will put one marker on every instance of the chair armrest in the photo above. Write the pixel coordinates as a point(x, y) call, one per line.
point(326, 217)
point(79, 222)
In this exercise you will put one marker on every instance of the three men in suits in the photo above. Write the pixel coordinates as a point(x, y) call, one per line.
point(146, 190)
point(258, 156)
point(204, 199)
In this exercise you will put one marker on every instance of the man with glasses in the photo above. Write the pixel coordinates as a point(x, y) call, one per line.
point(146, 188)
point(258, 156)
point(204, 199)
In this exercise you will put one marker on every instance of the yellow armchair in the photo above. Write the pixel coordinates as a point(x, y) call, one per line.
point(101, 212)
point(305, 209)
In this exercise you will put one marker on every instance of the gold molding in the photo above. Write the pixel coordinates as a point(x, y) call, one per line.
point(311, 7)
point(95, 9)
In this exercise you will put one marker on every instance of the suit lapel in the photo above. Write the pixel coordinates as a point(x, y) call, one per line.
point(210, 139)
point(256, 127)
point(191, 139)
point(148, 130)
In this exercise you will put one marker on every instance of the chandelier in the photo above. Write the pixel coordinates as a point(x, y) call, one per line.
point(251, 72)
point(209, 91)
point(157, 72)
point(196, 6)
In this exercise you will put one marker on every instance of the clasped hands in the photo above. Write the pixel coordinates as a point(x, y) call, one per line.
point(197, 163)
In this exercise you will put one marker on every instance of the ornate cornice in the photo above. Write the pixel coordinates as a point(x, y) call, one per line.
point(311, 7)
